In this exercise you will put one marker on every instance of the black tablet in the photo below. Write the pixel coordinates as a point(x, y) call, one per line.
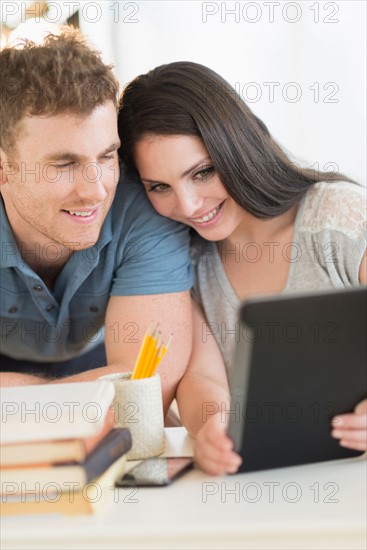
point(300, 360)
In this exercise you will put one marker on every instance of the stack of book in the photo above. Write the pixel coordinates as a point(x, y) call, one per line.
point(59, 450)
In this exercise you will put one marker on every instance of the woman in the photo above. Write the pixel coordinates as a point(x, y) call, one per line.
point(263, 225)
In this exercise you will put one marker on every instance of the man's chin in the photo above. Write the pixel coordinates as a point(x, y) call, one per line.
point(78, 246)
point(81, 244)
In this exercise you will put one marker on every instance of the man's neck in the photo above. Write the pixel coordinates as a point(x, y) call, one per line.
point(46, 257)
point(48, 275)
point(47, 269)
point(47, 261)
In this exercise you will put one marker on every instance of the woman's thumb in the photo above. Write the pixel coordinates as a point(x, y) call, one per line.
point(361, 407)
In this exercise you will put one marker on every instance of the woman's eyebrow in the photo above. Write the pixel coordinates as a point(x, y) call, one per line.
point(146, 180)
point(186, 172)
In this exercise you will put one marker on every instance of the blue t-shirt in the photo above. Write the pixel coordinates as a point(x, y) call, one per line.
point(138, 252)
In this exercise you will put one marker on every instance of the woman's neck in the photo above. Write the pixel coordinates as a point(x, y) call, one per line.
point(262, 230)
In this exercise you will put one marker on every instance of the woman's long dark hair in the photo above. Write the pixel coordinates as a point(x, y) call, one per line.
point(185, 98)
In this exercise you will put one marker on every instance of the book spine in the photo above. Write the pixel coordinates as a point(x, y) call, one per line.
point(113, 446)
point(55, 451)
point(91, 443)
point(77, 502)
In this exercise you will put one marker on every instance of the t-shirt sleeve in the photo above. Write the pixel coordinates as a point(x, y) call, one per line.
point(152, 253)
point(334, 230)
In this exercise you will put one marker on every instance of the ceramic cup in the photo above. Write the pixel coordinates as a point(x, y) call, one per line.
point(138, 406)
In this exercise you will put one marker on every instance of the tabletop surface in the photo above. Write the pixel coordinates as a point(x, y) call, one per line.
point(319, 505)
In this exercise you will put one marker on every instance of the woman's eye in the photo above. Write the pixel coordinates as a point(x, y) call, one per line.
point(205, 173)
point(158, 188)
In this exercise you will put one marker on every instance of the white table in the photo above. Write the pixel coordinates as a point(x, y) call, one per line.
point(315, 506)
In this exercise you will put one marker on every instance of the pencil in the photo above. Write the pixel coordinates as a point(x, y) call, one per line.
point(142, 351)
point(150, 354)
point(162, 351)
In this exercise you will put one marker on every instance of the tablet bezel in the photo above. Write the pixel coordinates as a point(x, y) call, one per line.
point(269, 440)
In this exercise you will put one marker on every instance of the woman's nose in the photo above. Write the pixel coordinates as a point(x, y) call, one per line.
point(189, 203)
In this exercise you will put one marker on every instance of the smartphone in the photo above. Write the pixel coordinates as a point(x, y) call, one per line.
point(155, 472)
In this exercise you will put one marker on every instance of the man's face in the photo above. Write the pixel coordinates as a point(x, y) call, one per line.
point(64, 178)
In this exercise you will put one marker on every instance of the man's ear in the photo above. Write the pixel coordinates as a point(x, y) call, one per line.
point(3, 161)
point(7, 167)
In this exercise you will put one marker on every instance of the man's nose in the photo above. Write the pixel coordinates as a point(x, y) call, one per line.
point(90, 184)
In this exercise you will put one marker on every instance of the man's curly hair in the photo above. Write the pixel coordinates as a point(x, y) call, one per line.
point(61, 75)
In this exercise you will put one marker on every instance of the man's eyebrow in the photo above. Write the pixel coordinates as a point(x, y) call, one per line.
point(69, 155)
point(111, 148)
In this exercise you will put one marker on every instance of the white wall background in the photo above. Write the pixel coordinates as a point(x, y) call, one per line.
point(300, 65)
point(323, 48)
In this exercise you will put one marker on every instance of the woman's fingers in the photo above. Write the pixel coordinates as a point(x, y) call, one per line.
point(351, 421)
point(214, 449)
point(218, 466)
point(351, 429)
point(361, 407)
point(352, 435)
point(353, 444)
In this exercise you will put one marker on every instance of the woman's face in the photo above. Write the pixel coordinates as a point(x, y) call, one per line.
point(182, 184)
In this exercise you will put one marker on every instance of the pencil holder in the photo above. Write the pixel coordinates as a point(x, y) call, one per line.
point(138, 406)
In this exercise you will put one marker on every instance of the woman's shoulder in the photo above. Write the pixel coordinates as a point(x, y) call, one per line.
point(338, 206)
point(200, 249)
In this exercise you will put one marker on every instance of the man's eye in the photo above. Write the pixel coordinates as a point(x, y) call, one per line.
point(64, 165)
point(205, 173)
point(108, 157)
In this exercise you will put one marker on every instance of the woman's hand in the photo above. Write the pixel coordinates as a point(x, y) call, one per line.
point(351, 429)
point(214, 449)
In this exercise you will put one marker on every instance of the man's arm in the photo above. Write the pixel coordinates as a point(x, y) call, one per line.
point(130, 316)
point(19, 379)
point(127, 319)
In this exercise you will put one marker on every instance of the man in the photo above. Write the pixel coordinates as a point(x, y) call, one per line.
point(86, 263)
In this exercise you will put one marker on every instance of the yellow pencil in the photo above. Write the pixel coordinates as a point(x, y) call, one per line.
point(162, 351)
point(142, 352)
point(154, 357)
point(149, 355)
point(156, 362)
